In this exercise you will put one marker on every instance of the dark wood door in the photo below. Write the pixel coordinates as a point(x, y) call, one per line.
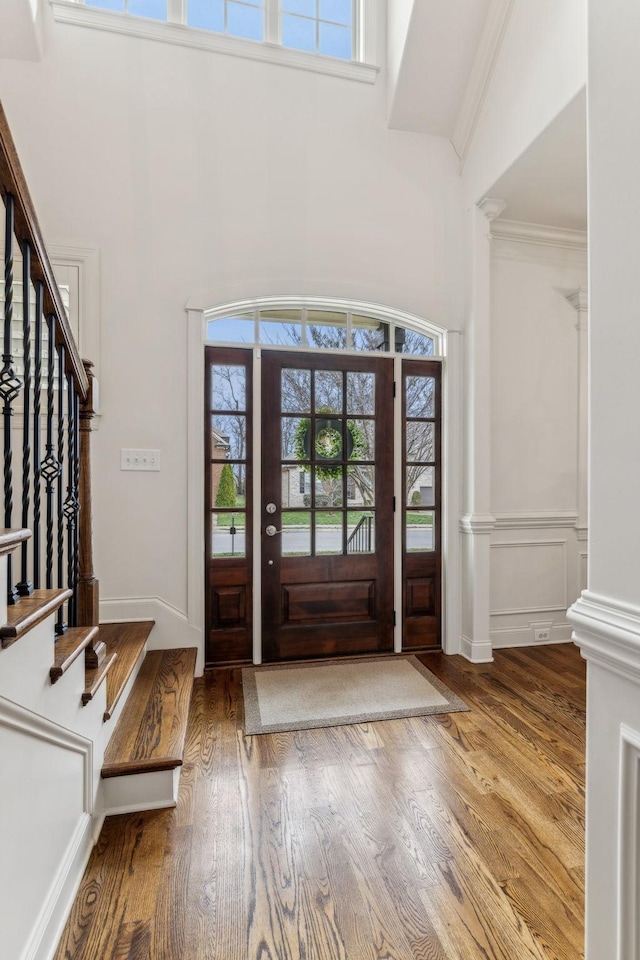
point(327, 510)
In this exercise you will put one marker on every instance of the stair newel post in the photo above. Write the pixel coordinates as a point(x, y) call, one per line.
point(25, 587)
point(60, 624)
point(37, 387)
point(88, 613)
point(10, 383)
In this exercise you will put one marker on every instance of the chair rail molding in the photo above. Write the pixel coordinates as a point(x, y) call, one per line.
point(535, 519)
point(608, 632)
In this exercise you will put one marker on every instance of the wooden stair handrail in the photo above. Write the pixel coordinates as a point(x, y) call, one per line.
point(12, 180)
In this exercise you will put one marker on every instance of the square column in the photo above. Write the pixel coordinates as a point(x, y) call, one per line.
point(478, 521)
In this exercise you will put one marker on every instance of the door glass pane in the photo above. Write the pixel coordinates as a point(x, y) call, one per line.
point(360, 532)
point(296, 534)
point(295, 432)
point(228, 437)
point(361, 394)
point(328, 532)
point(228, 534)
point(237, 329)
point(420, 396)
point(296, 391)
point(228, 484)
point(328, 487)
point(361, 486)
point(328, 439)
point(420, 441)
point(420, 532)
point(296, 487)
point(420, 486)
point(228, 387)
point(328, 386)
point(363, 439)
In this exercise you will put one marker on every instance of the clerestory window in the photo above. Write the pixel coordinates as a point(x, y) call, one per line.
point(330, 28)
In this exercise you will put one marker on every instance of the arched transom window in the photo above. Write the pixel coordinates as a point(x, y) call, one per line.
point(320, 325)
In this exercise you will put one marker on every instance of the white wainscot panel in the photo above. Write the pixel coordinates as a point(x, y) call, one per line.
point(629, 841)
point(45, 835)
point(528, 576)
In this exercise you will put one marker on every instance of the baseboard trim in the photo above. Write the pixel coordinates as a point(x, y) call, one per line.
point(172, 627)
point(55, 911)
point(523, 637)
point(476, 652)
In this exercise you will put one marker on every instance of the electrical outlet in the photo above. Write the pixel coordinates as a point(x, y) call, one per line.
point(139, 459)
point(541, 635)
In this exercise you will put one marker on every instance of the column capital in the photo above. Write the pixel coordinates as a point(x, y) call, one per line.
point(492, 208)
point(579, 299)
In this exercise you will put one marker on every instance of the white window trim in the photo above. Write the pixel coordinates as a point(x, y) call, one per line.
point(75, 12)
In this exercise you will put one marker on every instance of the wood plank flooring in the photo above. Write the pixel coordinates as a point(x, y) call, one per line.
point(454, 837)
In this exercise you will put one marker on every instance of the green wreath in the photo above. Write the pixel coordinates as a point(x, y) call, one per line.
point(328, 443)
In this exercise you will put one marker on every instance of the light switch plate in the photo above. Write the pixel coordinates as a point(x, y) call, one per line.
point(139, 459)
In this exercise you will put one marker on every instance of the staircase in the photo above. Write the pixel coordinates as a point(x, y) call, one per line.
point(79, 740)
point(92, 721)
point(140, 697)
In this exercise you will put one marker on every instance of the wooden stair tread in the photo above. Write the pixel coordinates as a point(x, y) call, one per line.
point(29, 611)
point(68, 647)
point(95, 676)
point(127, 640)
point(151, 730)
point(11, 538)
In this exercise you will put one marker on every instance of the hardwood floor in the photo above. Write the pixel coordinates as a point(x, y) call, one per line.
point(455, 837)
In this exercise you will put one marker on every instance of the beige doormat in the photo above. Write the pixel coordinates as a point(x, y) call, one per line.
point(302, 696)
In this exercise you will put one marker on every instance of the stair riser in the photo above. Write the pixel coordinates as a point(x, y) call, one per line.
point(141, 791)
point(24, 678)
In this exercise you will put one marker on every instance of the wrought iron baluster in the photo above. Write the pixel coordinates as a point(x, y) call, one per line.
point(60, 624)
point(37, 387)
point(50, 468)
point(76, 484)
point(10, 383)
point(71, 502)
point(25, 587)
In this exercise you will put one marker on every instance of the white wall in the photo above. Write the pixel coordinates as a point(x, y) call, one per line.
point(536, 563)
point(201, 175)
point(607, 618)
point(540, 67)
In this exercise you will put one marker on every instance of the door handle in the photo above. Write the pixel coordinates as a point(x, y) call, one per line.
point(271, 530)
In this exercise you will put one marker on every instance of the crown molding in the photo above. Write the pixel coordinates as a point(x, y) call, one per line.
point(492, 208)
point(519, 232)
point(481, 75)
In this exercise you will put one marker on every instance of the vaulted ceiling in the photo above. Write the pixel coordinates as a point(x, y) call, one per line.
point(441, 55)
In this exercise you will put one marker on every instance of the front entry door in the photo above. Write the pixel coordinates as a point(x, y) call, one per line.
point(327, 505)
